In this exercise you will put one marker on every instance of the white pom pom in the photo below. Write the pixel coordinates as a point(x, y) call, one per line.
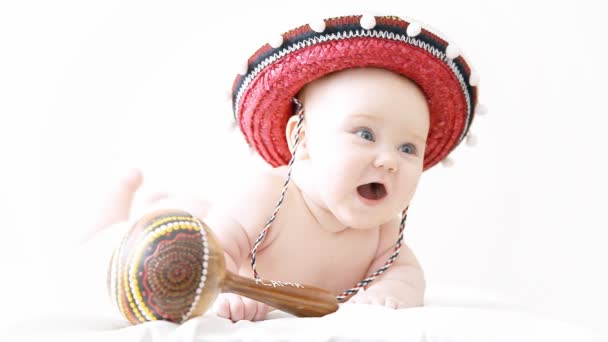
point(452, 51)
point(472, 139)
point(447, 162)
point(276, 41)
point(317, 25)
point(481, 109)
point(474, 78)
point(413, 29)
point(243, 68)
point(228, 95)
point(368, 21)
point(232, 125)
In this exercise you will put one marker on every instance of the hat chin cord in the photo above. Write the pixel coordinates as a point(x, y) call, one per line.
point(344, 296)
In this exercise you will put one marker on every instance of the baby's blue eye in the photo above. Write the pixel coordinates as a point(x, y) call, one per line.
point(365, 134)
point(407, 148)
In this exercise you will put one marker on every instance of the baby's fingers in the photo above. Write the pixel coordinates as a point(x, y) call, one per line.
point(360, 298)
point(222, 307)
point(377, 301)
point(366, 298)
point(229, 306)
point(391, 303)
point(261, 312)
point(237, 308)
point(254, 310)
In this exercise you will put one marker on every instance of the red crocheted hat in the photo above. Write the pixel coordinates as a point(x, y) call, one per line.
point(262, 94)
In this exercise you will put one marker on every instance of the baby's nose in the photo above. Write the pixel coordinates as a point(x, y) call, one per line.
point(387, 161)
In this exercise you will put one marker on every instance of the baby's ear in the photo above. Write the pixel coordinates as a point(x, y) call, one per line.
point(290, 134)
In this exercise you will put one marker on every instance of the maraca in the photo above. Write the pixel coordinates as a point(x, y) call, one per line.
point(170, 266)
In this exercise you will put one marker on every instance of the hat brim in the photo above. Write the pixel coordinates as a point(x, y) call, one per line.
point(264, 102)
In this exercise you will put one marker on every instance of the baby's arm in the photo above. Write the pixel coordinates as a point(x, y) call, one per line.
point(237, 224)
point(236, 244)
point(403, 284)
point(113, 206)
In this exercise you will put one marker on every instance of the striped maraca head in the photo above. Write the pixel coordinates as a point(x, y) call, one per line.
point(169, 266)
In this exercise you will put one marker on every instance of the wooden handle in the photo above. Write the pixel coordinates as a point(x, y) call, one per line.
point(296, 299)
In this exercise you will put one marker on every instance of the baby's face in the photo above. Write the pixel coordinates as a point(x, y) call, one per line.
point(365, 136)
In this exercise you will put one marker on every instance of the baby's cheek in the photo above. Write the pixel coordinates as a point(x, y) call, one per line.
point(335, 176)
point(340, 168)
point(410, 188)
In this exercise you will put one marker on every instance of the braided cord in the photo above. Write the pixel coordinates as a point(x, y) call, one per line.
point(258, 241)
point(365, 282)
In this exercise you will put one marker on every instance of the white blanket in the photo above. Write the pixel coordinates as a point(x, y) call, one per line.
point(349, 323)
point(74, 306)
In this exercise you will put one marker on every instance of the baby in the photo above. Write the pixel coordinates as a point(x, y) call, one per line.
point(349, 111)
point(357, 166)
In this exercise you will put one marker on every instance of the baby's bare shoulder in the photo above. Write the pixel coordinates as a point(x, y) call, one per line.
point(251, 201)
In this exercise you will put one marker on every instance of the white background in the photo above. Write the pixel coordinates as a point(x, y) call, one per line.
point(90, 87)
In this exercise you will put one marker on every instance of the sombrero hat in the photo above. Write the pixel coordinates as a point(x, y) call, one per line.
point(262, 93)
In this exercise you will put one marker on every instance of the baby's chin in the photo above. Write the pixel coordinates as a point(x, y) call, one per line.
point(359, 221)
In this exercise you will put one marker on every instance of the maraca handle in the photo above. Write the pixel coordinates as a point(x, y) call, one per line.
point(296, 299)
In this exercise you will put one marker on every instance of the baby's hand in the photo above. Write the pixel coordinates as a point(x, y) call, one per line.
point(236, 308)
point(369, 297)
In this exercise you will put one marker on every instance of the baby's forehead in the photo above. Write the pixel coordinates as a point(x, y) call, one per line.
point(365, 94)
point(359, 77)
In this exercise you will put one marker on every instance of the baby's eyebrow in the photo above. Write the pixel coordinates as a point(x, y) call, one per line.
point(413, 135)
point(364, 117)
point(418, 139)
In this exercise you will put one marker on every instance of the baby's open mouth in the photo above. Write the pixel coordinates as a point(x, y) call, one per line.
point(372, 191)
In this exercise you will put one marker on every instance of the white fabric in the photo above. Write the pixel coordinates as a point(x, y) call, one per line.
point(350, 323)
point(74, 306)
